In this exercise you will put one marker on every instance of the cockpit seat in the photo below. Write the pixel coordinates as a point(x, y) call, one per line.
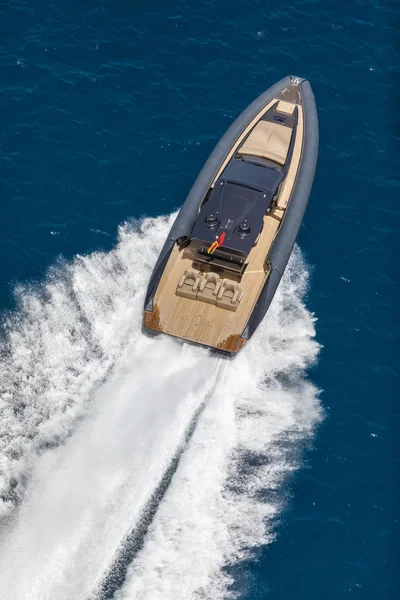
point(189, 284)
point(208, 288)
point(229, 295)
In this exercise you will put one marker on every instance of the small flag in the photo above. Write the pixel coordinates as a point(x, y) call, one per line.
point(216, 244)
point(213, 247)
point(221, 239)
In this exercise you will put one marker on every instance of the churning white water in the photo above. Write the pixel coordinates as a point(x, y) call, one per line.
point(93, 414)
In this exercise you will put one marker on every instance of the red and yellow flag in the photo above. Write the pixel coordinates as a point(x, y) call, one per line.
point(216, 244)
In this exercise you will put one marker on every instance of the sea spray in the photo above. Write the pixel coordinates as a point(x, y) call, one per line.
point(96, 412)
point(225, 498)
point(59, 345)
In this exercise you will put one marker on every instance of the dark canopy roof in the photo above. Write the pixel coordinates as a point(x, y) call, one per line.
point(237, 204)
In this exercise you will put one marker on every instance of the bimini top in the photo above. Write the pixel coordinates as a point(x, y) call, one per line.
point(237, 204)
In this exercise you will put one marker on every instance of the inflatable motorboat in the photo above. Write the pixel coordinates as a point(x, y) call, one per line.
point(228, 248)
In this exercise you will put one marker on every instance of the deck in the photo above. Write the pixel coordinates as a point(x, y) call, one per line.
point(209, 324)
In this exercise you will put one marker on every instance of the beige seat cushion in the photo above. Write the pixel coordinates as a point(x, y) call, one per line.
point(268, 140)
point(188, 284)
point(208, 288)
point(229, 295)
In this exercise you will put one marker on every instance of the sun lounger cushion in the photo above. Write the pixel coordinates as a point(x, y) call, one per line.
point(268, 140)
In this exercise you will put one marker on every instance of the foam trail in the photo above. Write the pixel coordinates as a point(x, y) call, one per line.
point(85, 496)
point(226, 494)
point(94, 413)
point(61, 343)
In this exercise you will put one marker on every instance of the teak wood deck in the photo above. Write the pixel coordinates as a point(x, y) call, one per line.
point(209, 324)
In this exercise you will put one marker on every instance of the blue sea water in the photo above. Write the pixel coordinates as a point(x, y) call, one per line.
point(109, 110)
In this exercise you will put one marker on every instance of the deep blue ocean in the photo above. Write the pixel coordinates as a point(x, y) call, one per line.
point(108, 111)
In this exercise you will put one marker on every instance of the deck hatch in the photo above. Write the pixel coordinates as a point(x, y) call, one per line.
point(237, 206)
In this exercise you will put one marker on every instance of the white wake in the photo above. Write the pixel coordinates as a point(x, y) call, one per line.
point(94, 412)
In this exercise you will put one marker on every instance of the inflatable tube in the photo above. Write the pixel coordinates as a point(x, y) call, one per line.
point(285, 239)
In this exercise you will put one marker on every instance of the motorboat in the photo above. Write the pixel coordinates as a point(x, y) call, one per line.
point(227, 250)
